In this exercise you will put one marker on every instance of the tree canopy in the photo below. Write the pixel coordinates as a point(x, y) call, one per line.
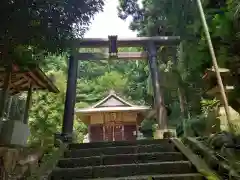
point(33, 26)
point(172, 17)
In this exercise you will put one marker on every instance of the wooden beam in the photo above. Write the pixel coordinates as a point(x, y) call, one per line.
point(49, 84)
point(125, 42)
point(16, 88)
point(36, 80)
point(21, 87)
point(19, 82)
point(105, 56)
point(24, 89)
point(18, 76)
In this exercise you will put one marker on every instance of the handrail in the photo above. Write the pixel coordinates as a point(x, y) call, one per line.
point(209, 154)
point(199, 164)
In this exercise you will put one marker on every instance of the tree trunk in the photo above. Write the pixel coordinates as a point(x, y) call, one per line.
point(162, 112)
point(182, 102)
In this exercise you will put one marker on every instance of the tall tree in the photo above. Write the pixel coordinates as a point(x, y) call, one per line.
point(35, 25)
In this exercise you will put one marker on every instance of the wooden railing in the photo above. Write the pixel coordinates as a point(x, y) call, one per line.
point(198, 163)
point(220, 164)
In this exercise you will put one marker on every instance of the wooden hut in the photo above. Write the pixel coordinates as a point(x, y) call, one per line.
point(15, 79)
point(112, 119)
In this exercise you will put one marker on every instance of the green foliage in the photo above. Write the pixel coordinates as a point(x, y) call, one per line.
point(203, 124)
point(111, 80)
point(47, 109)
point(209, 105)
point(46, 113)
point(235, 127)
point(172, 17)
point(55, 63)
point(148, 124)
point(45, 24)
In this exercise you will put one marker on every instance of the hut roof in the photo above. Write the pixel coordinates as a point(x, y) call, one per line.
point(21, 78)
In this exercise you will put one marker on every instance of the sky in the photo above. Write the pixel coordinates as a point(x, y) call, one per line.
point(108, 23)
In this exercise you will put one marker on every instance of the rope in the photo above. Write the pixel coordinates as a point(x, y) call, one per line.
point(215, 64)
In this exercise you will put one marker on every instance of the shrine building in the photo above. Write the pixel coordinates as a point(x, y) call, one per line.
point(112, 119)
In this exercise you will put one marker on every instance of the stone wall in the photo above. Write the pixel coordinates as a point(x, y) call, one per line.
point(16, 162)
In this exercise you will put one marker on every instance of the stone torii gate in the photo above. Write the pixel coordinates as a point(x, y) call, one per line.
point(150, 44)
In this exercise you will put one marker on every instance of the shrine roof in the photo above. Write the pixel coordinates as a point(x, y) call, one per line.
point(22, 77)
point(112, 102)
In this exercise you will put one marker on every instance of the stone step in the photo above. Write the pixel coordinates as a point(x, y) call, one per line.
point(119, 150)
point(190, 176)
point(119, 143)
point(123, 170)
point(120, 159)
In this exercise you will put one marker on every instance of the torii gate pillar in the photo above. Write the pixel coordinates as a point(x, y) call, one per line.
point(67, 126)
point(155, 76)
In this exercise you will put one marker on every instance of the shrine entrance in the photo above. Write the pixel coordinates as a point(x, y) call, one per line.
point(112, 119)
point(113, 127)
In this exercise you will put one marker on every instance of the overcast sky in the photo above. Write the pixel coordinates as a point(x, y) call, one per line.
point(107, 23)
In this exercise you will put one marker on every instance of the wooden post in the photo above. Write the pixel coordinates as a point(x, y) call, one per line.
point(27, 106)
point(154, 71)
point(67, 126)
point(138, 123)
point(162, 107)
point(9, 106)
point(123, 132)
point(113, 131)
point(104, 135)
point(152, 63)
point(89, 133)
point(7, 81)
point(136, 131)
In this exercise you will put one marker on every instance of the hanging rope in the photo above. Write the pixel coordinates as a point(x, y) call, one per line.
point(215, 64)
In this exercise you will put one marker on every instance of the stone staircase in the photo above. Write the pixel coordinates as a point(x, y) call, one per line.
point(138, 160)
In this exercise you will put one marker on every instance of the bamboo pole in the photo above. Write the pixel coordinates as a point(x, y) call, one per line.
point(215, 64)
